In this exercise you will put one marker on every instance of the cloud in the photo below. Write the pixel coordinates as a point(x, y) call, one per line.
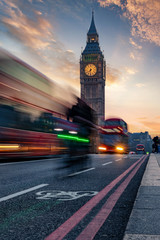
point(41, 1)
point(113, 75)
point(139, 85)
point(133, 43)
point(38, 12)
point(132, 55)
point(144, 16)
point(118, 77)
point(146, 124)
point(130, 71)
point(34, 33)
point(135, 55)
point(153, 125)
point(9, 3)
point(69, 51)
point(107, 3)
point(37, 34)
point(142, 118)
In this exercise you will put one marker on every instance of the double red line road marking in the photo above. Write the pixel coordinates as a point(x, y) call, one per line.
point(93, 227)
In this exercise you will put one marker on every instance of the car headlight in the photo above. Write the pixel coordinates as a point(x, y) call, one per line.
point(102, 148)
point(119, 148)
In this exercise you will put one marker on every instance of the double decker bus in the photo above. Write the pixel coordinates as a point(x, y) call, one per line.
point(113, 136)
point(33, 108)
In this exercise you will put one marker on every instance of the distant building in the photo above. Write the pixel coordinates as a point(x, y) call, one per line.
point(140, 138)
point(93, 73)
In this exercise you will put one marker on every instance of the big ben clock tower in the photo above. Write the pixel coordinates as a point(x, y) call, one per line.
point(93, 73)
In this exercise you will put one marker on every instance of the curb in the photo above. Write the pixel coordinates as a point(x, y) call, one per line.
point(144, 220)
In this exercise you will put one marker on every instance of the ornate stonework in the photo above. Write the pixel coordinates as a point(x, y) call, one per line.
point(93, 73)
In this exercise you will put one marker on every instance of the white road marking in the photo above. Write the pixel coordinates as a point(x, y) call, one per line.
point(118, 160)
point(106, 163)
point(76, 173)
point(22, 192)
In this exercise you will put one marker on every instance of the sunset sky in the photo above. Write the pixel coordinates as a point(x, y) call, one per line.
point(50, 35)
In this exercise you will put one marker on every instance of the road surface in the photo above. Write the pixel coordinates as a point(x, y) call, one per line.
point(40, 201)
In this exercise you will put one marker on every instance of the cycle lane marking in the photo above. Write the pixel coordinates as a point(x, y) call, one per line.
point(64, 195)
point(22, 192)
point(70, 223)
point(93, 227)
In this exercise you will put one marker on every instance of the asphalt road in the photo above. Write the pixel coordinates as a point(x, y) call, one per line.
point(40, 201)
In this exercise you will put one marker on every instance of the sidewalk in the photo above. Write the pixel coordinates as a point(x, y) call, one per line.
point(144, 222)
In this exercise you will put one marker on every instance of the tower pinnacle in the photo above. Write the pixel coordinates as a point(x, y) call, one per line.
point(92, 30)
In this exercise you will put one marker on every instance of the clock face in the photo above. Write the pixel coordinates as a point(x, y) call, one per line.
point(90, 70)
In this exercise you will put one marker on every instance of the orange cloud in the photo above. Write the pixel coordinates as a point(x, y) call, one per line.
point(30, 32)
point(144, 16)
point(37, 34)
point(144, 124)
point(38, 12)
point(142, 118)
point(107, 3)
point(135, 44)
point(113, 75)
point(132, 55)
point(139, 85)
point(118, 77)
point(153, 125)
point(130, 71)
point(135, 55)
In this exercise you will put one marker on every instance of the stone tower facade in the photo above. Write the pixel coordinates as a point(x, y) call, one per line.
point(93, 73)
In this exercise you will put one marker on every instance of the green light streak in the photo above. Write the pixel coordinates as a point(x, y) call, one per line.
point(75, 138)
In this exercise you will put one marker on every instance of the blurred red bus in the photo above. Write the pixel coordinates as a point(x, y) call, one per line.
point(113, 136)
point(32, 111)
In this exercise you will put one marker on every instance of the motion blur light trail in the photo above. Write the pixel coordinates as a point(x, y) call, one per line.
point(34, 111)
point(69, 137)
point(9, 146)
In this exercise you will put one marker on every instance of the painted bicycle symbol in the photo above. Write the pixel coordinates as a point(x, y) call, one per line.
point(64, 195)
